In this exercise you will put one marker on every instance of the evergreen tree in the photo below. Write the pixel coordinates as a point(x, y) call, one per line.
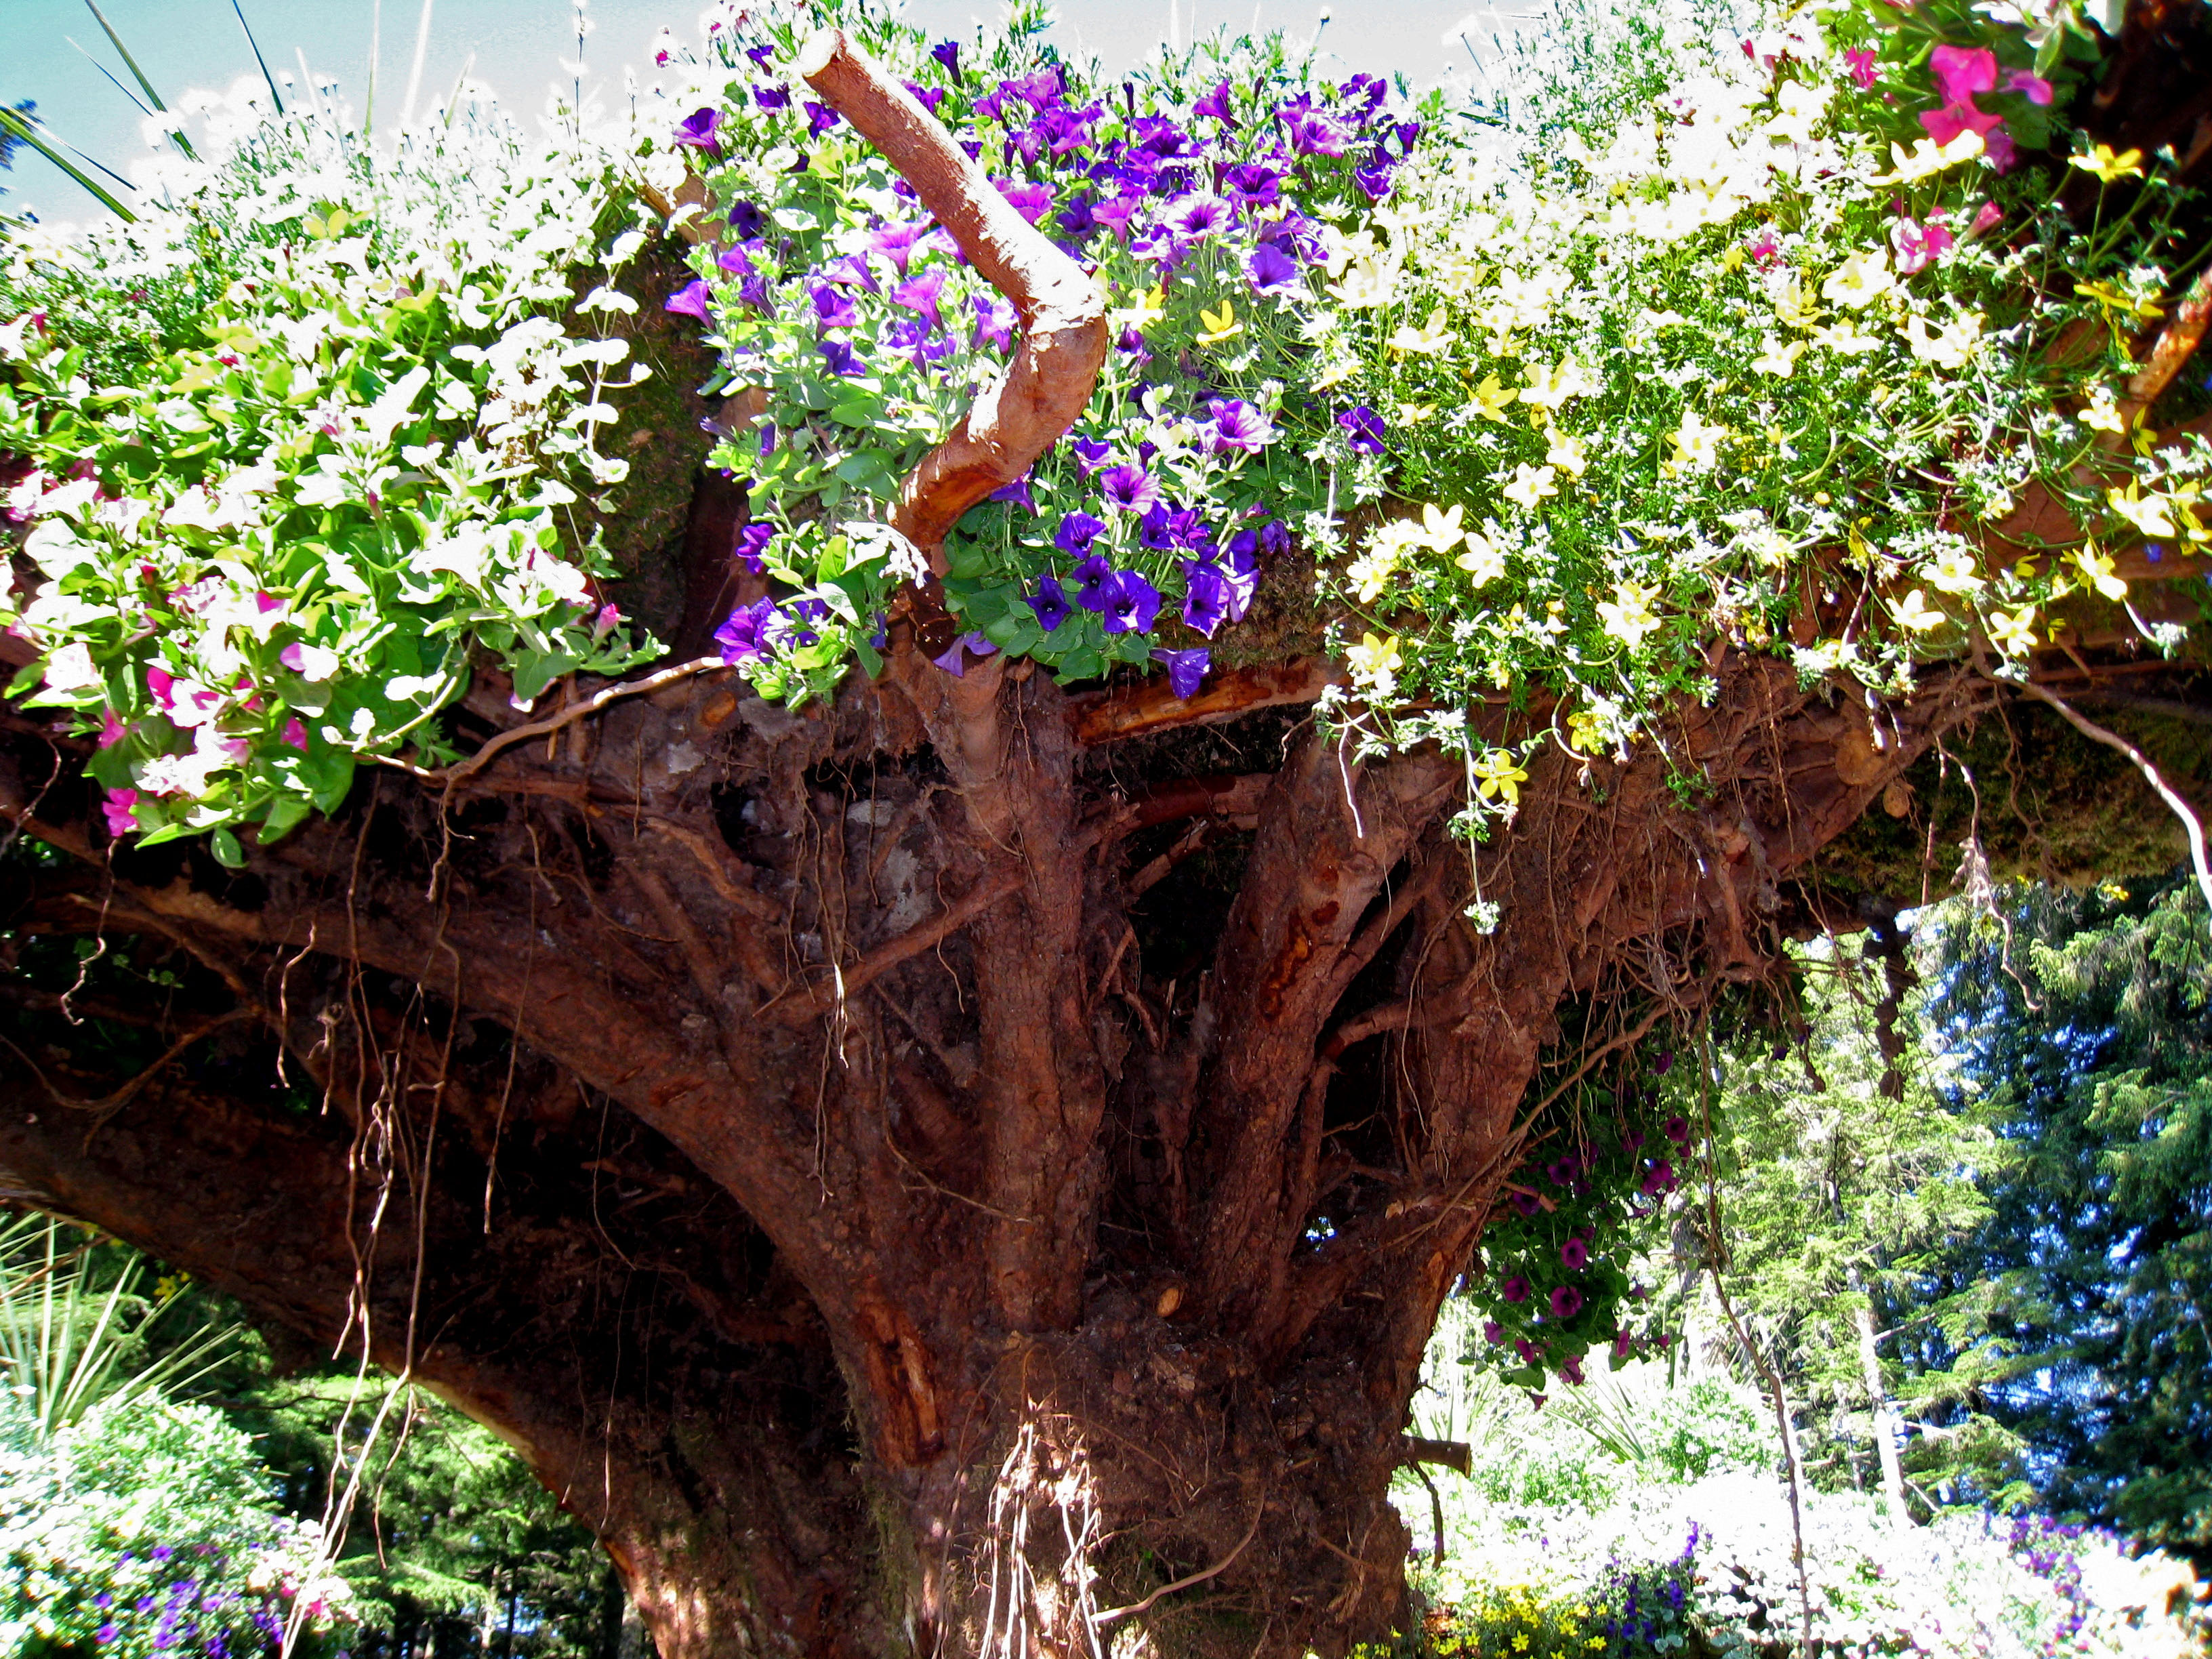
point(2082, 1017)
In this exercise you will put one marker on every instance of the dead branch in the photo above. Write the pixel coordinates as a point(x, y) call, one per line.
point(1063, 311)
point(844, 985)
point(1152, 706)
point(2191, 825)
point(1455, 1455)
point(453, 774)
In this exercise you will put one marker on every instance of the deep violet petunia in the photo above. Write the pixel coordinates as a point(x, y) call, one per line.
point(1186, 669)
point(850, 270)
point(1050, 603)
point(751, 546)
point(1094, 582)
point(1216, 104)
point(740, 634)
point(1238, 428)
point(947, 53)
point(1313, 133)
point(820, 118)
point(747, 219)
point(1366, 427)
point(919, 293)
point(1204, 597)
point(832, 309)
point(1514, 1289)
point(1132, 605)
point(772, 97)
point(955, 661)
point(1017, 493)
point(994, 321)
point(696, 130)
point(928, 97)
point(1091, 454)
point(1272, 272)
point(1156, 531)
point(840, 359)
point(1566, 1302)
point(1076, 533)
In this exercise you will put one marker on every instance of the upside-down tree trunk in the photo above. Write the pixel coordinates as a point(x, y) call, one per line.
point(963, 1167)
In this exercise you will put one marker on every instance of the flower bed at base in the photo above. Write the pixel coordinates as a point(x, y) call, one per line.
point(1557, 1546)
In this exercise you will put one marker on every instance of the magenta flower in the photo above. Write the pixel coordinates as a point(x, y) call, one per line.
point(2037, 88)
point(1527, 1203)
point(1032, 201)
point(1859, 60)
point(1216, 104)
point(1492, 1332)
point(1919, 246)
point(1571, 1369)
point(1514, 1289)
point(295, 734)
point(1574, 1254)
point(1660, 1180)
point(1677, 1129)
point(1962, 71)
point(1186, 669)
point(111, 730)
point(1128, 488)
point(693, 299)
point(1566, 1302)
point(920, 294)
point(994, 321)
point(1197, 214)
point(117, 810)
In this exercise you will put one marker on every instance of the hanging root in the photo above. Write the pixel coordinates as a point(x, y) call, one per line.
point(1047, 1477)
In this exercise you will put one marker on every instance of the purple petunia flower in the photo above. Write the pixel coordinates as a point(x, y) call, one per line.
point(1050, 603)
point(696, 130)
point(1571, 1369)
point(1076, 533)
point(947, 53)
point(693, 299)
point(839, 358)
point(1566, 1302)
point(1017, 492)
point(1186, 669)
point(914, 340)
point(1373, 179)
point(1574, 1254)
point(1677, 1129)
point(955, 661)
point(1562, 1171)
point(1252, 185)
point(1128, 488)
point(1660, 1180)
point(820, 118)
point(1157, 530)
point(1204, 597)
point(1040, 91)
point(1514, 1289)
point(740, 634)
point(1239, 427)
point(928, 97)
point(750, 548)
point(1313, 133)
point(1116, 214)
point(1366, 427)
point(850, 270)
point(1527, 1203)
point(1091, 454)
point(747, 219)
point(994, 321)
point(772, 97)
point(1032, 201)
point(1131, 608)
point(831, 308)
point(1132, 345)
point(895, 243)
point(1492, 1332)
point(1201, 214)
point(1095, 582)
point(1272, 272)
point(920, 293)
point(1367, 90)
point(1216, 104)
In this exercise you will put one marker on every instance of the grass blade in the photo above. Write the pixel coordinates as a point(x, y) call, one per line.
point(137, 74)
point(138, 101)
point(258, 57)
point(415, 74)
point(16, 127)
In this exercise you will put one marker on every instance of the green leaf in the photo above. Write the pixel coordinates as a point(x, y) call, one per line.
point(536, 670)
point(228, 852)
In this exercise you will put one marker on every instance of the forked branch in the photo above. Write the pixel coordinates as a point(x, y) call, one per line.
point(1062, 311)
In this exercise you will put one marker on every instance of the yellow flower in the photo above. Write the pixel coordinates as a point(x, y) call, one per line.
point(1929, 158)
point(1696, 444)
point(1431, 337)
point(1482, 560)
point(2014, 631)
point(1499, 777)
point(1490, 398)
point(1149, 307)
point(1385, 553)
point(1954, 573)
point(2112, 298)
point(1584, 736)
point(1220, 325)
point(1414, 414)
point(2096, 570)
point(1860, 280)
point(1954, 348)
point(1846, 339)
point(1913, 612)
point(1531, 484)
point(1550, 388)
point(1521, 1642)
point(1566, 453)
point(1792, 304)
point(1441, 531)
point(2127, 164)
point(2152, 516)
point(1375, 662)
point(2102, 412)
point(1776, 357)
point(1628, 615)
point(1336, 375)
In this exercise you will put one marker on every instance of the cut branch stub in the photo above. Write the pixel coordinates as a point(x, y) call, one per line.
point(1062, 311)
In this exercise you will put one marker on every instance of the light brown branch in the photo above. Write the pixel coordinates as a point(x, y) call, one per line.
point(846, 984)
point(1062, 310)
point(1456, 1455)
point(1098, 1621)
point(2191, 825)
point(453, 774)
point(2176, 345)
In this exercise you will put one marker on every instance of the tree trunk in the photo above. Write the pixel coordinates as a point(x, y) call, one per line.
point(1885, 1415)
point(876, 1176)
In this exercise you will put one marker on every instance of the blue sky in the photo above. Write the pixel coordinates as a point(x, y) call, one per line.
point(517, 44)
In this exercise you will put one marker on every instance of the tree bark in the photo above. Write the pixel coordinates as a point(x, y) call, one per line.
point(1884, 1415)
